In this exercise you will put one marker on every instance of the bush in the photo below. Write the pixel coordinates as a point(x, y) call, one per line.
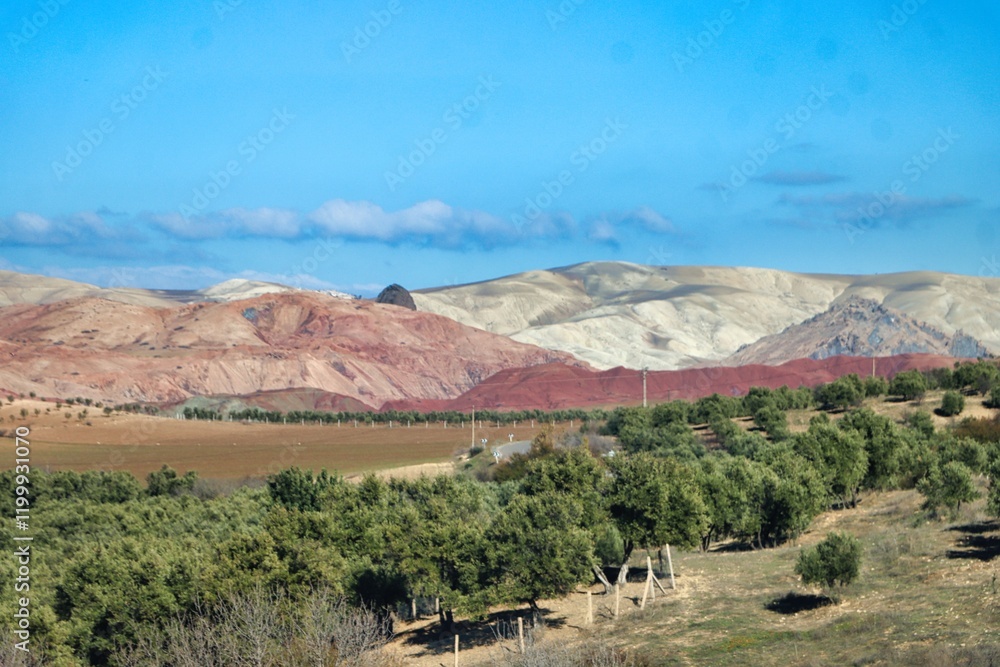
point(994, 399)
point(993, 500)
point(773, 421)
point(951, 404)
point(908, 385)
point(841, 393)
point(876, 386)
point(920, 422)
point(166, 482)
point(948, 485)
point(833, 562)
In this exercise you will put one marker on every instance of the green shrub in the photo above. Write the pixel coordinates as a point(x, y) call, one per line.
point(951, 404)
point(908, 385)
point(835, 561)
point(948, 485)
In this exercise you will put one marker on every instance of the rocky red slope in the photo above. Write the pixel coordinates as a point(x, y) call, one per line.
point(557, 386)
point(358, 350)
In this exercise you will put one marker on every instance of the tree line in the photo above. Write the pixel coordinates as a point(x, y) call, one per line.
point(506, 417)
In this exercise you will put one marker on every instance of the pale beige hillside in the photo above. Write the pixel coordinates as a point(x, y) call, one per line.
point(18, 288)
point(616, 313)
point(23, 288)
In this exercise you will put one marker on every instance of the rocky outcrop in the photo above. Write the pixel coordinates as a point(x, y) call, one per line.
point(396, 295)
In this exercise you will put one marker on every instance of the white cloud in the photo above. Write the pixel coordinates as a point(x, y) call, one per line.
point(263, 222)
point(430, 221)
point(32, 229)
point(608, 227)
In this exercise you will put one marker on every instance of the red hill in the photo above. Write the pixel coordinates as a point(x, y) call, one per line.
point(555, 386)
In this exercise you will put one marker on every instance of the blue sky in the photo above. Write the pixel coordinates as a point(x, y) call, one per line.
point(349, 145)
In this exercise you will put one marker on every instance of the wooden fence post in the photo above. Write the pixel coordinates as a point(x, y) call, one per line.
point(456, 650)
point(590, 609)
point(646, 585)
point(520, 633)
point(650, 577)
point(617, 598)
point(670, 564)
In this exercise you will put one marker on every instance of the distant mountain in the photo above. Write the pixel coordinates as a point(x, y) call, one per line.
point(18, 288)
point(619, 314)
point(349, 351)
point(239, 288)
point(255, 341)
point(856, 327)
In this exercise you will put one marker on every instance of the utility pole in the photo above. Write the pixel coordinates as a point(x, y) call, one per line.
point(473, 426)
point(644, 371)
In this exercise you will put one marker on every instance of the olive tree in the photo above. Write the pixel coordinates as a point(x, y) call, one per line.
point(655, 501)
point(835, 561)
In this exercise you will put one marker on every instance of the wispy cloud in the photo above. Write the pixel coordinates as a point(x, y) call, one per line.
point(431, 223)
point(609, 227)
point(32, 229)
point(797, 178)
point(848, 207)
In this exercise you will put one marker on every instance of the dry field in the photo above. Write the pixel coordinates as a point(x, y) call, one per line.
point(232, 450)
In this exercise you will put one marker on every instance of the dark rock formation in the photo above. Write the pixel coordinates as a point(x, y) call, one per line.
point(396, 295)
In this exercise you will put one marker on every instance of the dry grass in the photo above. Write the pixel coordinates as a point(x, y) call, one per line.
point(927, 595)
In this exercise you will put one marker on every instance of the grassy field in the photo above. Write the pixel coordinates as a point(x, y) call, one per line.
point(928, 594)
point(231, 450)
